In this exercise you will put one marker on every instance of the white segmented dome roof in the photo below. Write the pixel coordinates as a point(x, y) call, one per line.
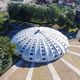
point(40, 44)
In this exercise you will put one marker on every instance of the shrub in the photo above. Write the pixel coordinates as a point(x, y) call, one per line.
point(1, 23)
point(6, 53)
point(61, 21)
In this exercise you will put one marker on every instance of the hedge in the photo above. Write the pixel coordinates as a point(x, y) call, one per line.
point(33, 12)
point(7, 50)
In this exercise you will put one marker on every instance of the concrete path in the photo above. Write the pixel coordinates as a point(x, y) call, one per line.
point(30, 73)
point(6, 75)
point(66, 68)
point(71, 66)
point(53, 72)
point(74, 53)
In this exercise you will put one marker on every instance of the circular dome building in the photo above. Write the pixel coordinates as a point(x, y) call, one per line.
point(40, 44)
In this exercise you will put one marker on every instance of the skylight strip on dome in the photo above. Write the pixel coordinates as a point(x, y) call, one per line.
point(54, 41)
point(53, 51)
point(37, 51)
point(26, 50)
point(62, 43)
point(23, 43)
point(32, 51)
point(45, 49)
point(42, 51)
point(48, 40)
point(62, 40)
point(59, 45)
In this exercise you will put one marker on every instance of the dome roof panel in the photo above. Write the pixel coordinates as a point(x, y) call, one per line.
point(40, 44)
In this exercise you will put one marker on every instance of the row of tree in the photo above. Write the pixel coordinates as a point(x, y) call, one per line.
point(50, 13)
point(33, 12)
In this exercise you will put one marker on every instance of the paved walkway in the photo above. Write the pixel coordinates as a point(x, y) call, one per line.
point(66, 68)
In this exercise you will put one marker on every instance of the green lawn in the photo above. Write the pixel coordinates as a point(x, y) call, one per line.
point(2, 14)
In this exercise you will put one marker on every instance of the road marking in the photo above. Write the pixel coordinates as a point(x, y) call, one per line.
point(71, 66)
point(29, 75)
point(74, 53)
point(53, 72)
point(7, 74)
point(75, 46)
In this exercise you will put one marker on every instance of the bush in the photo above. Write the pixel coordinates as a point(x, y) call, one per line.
point(6, 53)
point(5, 25)
point(1, 23)
point(61, 21)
